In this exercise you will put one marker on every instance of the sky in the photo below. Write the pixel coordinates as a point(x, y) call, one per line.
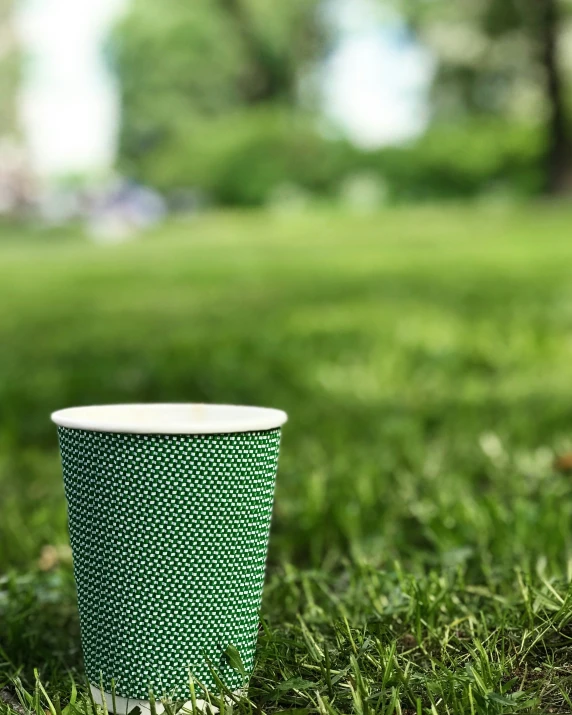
point(69, 102)
point(377, 80)
point(374, 84)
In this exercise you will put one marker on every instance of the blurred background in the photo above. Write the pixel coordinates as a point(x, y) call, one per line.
point(354, 210)
point(116, 112)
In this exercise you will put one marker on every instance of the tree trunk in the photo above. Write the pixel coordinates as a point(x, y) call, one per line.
point(268, 77)
point(558, 158)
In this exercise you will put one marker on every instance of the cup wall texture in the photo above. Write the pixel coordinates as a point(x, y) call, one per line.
point(169, 535)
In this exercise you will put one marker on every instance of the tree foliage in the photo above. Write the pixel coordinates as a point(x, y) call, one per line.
point(179, 63)
point(502, 58)
point(10, 69)
point(211, 97)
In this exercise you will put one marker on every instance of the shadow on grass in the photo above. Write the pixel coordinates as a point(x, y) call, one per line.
point(39, 627)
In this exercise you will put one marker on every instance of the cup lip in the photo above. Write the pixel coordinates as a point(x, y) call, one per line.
point(187, 418)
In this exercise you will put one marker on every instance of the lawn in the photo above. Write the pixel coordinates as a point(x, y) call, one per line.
point(421, 548)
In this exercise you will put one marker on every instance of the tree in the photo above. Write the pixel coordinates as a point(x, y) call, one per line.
point(559, 149)
point(181, 62)
point(502, 58)
point(10, 66)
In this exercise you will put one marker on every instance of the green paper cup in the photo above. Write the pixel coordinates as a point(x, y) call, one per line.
point(169, 513)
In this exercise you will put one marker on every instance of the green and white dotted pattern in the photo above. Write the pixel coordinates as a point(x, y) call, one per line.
point(169, 536)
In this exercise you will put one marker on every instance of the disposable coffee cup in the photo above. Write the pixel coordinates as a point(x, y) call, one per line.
point(169, 510)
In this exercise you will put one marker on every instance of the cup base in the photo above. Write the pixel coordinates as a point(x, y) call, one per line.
point(123, 706)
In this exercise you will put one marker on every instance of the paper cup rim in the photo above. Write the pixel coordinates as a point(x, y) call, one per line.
point(170, 418)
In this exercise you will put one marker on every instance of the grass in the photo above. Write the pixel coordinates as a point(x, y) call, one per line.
point(421, 554)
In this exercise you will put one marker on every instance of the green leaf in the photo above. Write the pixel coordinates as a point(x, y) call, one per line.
point(500, 699)
point(234, 659)
point(296, 684)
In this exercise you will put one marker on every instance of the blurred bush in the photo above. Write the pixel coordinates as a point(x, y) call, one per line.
point(245, 157)
point(464, 160)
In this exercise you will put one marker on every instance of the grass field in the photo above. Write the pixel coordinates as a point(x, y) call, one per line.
point(421, 548)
